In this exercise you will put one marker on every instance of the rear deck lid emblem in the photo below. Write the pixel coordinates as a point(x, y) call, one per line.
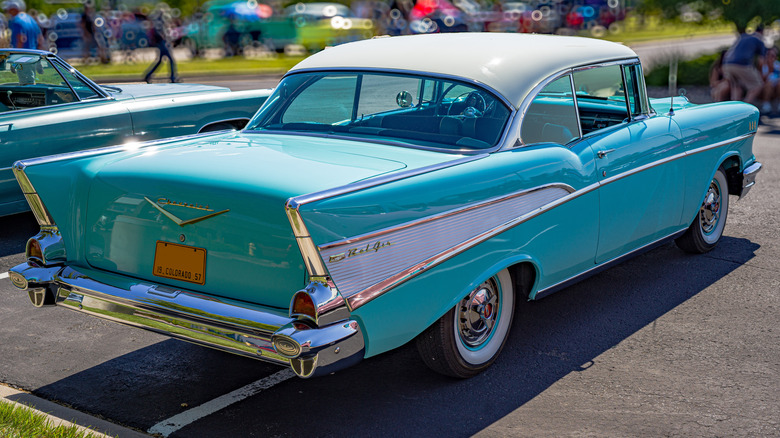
point(180, 222)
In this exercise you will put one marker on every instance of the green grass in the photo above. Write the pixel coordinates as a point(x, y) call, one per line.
point(22, 422)
point(195, 67)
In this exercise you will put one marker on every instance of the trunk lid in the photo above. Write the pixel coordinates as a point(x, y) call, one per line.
point(209, 214)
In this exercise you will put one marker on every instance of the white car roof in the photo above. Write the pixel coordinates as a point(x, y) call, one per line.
point(510, 64)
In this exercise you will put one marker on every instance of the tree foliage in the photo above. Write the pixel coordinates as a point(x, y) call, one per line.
point(740, 12)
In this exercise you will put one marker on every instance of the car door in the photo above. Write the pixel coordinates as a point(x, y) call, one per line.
point(640, 196)
point(48, 110)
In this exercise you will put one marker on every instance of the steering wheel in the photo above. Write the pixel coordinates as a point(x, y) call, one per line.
point(475, 104)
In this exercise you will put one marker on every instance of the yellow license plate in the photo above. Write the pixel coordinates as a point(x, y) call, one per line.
point(180, 262)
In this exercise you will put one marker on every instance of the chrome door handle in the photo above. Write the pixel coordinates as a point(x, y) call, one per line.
point(604, 153)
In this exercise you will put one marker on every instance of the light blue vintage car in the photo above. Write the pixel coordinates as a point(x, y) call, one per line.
point(47, 108)
point(390, 190)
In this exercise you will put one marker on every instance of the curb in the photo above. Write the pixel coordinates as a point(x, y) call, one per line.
point(61, 415)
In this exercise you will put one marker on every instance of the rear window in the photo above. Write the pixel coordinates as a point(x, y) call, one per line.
point(414, 110)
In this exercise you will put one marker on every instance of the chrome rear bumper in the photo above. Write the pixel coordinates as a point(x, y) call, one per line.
point(232, 326)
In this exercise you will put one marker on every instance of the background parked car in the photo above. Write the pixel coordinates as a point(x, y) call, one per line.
point(47, 108)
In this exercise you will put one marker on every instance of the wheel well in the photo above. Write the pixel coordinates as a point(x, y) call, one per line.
point(225, 124)
point(523, 278)
point(733, 176)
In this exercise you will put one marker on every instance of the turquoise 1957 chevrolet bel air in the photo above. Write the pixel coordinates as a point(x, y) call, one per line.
point(47, 108)
point(390, 190)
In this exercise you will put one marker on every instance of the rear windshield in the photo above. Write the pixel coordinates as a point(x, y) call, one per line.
point(415, 110)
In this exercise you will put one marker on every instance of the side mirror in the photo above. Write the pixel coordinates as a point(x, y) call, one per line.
point(404, 99)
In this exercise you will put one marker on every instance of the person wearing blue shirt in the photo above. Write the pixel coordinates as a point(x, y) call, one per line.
point(25, 32)
point(739, 65)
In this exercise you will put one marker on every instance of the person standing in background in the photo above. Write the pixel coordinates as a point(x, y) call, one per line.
point(157, 38)
point(25, 32)
point(739, 65)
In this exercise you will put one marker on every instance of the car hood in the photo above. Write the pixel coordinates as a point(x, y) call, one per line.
point(138, 91)
point(226, 197)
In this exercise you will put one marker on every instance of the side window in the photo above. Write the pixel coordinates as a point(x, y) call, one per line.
point(551, 117)
point(601, 97)
point(383, 93)
point(30, 81)
point(334, 98)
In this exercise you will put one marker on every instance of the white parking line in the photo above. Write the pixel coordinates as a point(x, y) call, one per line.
point(167, 427)
point(3, 275)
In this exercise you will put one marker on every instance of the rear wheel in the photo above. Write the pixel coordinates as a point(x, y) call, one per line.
point(469, 338)
point(707, 229)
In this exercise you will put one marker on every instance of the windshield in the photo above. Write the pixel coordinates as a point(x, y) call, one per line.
point(416, 110)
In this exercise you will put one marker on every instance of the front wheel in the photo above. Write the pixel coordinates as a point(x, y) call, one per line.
point(468, 338)
point(707, 229)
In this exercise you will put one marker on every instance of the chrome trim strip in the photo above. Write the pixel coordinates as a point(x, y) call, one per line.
point(605, 265)
point(674, 157)
point(311, 257)
point(5, 168)
point(297, 201)
point(39, 210)
point(536, 207)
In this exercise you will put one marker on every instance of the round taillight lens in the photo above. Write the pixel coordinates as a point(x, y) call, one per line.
point(34, 250)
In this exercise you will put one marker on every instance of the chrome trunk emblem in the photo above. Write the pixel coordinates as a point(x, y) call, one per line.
point(176, 220)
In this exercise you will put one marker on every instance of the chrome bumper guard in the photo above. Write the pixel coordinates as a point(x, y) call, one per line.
point(227, 325)
point(749, 178)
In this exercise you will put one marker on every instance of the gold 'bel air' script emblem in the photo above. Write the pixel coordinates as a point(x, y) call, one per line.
point(369, 248)
point(165, 201)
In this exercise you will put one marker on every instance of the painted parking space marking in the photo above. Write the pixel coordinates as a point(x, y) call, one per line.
point(167, 427)
point(3, 275)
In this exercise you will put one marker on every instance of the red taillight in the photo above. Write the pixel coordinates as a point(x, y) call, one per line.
point(34, 250)
point(303, 305)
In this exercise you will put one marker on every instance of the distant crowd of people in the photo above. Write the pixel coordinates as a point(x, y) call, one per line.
point(748, 71)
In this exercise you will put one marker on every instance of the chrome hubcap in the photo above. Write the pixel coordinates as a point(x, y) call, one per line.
point(478, 313)
point(710, 209)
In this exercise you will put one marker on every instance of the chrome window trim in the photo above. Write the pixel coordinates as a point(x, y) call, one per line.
point(54, 59)
point(576, 110)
